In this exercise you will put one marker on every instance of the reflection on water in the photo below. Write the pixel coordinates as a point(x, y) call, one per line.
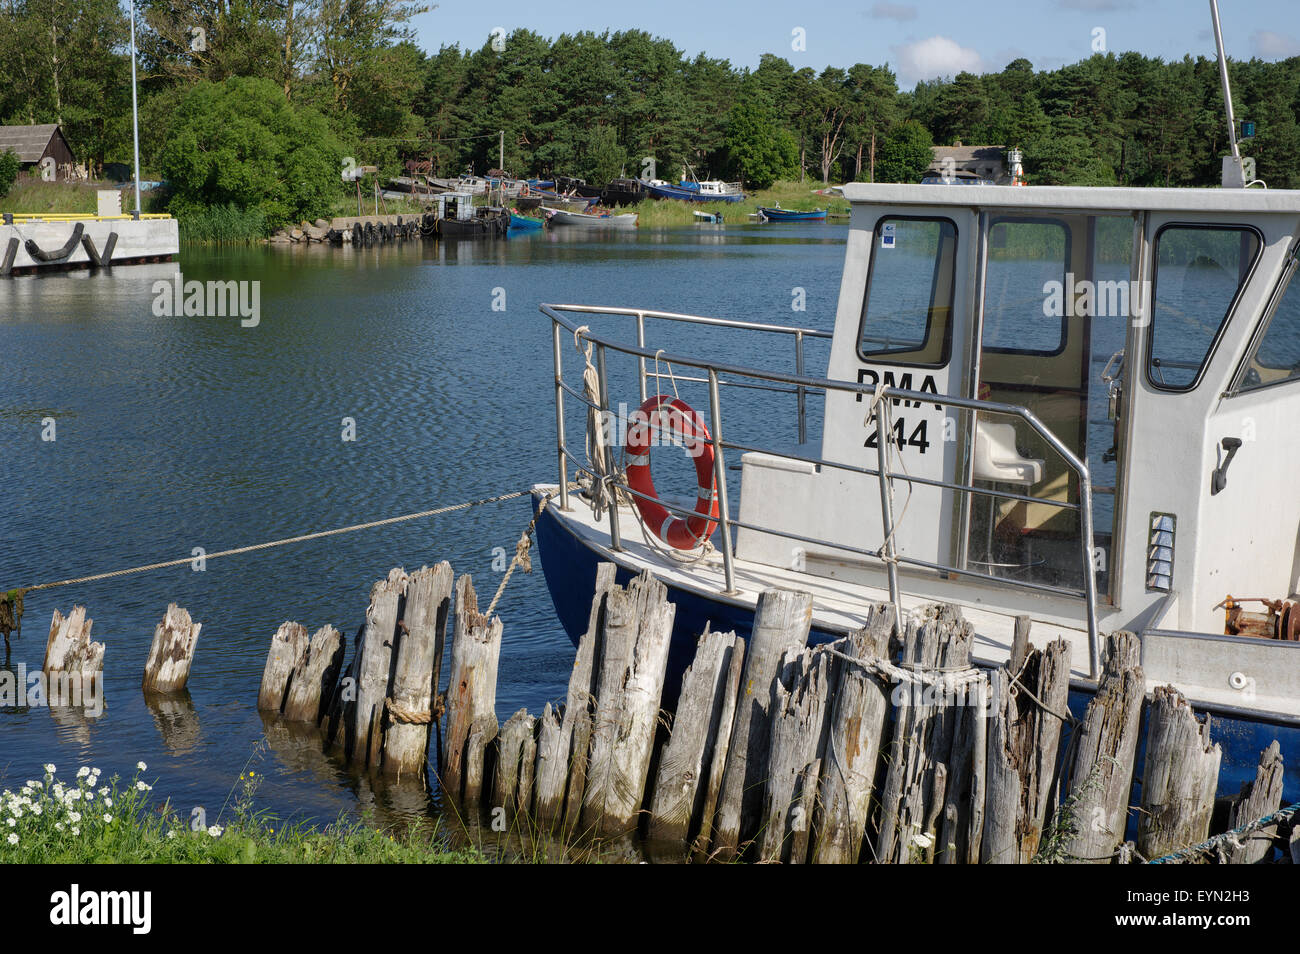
point(177, 433)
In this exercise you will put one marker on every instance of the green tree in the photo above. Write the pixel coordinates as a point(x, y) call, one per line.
point(241, 143)
point(905, 154)
point(758, 150)
point(9, 166)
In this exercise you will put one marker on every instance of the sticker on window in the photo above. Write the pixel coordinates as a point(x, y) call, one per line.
point(887, 235)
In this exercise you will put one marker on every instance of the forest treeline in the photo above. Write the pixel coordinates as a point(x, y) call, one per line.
point(255, 102)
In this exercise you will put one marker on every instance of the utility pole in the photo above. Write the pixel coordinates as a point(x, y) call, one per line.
point(135, 116)
point(501, 161)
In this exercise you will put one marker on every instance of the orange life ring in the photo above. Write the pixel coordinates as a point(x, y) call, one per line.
point(663, 414)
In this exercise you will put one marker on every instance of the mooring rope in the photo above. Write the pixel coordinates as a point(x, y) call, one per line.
point(1204, 847)
point(11, 602)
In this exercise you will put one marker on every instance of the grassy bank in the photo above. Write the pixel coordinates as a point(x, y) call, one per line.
point(48, 820)
point(665, 213)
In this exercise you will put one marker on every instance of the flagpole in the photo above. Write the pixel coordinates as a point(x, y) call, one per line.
point(135, 116)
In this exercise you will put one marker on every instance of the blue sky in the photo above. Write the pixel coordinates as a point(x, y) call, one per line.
point(920, 39)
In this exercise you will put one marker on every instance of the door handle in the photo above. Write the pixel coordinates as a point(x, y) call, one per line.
point(1220, 478)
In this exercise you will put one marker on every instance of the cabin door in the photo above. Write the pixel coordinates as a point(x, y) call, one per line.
point(905, 330)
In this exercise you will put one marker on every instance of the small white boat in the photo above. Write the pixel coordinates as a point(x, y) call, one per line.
point(605, 220)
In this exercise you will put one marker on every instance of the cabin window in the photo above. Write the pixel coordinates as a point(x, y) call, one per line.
point(1199, 272)
point(1024, 286)
point(907, 311)
point(1276, 358)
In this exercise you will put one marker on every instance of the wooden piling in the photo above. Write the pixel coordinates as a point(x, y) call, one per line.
point(856, 736)
point(288, 649)
point(417, 656)
point(516, 755)
point(69, 647)
point(1258, 799)
point(919, 753)
point(1101, 777)
point(801, 697)
point(782, 620)
point(172, 653)
point(701, 730)
point(471, 696)
point(374, 665)
point(1180, 776)
point(564, 738)
point(1024, 738)
point(638, 630)
point(314, 677)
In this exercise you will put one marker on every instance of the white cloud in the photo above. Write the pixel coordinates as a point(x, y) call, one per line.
point(893, 11)
point(1273, 46)
point(934, 57)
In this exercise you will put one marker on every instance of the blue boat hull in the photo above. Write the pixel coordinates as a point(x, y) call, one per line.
point(570, 570)
point(782, 215)
point(686, 195)
point(524, 223)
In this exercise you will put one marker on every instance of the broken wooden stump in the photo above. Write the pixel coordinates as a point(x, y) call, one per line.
point(1101, 778)
point(172, 652)
point(288, 649)
point(637, 632)
point(314, 677)
point(69, 647)
point(512, 783)
point(374, 667)
point(1180, 776)
point(936, 651)
point(801, 697)
point(857, 729)
point(1023, 741)
point(701, 732)
point(782, 620)
point(564, 738)
point(1258, 799)
point(471, 696)
point(417, 658)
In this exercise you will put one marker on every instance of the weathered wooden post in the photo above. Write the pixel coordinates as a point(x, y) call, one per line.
point(638, 630)
point(512, 784)
point(782, 620)
point(1180, 776)
point(700, 735)
point(919, 754)
point(1024, 737)
point(800, 717)
point(417, 657)
point(854, 744)
point(1258, 799)
point(471, 696)
point(172, 653)
point(1102, 776)
point(562, 741)
point(314, 677)
point(288, 649)
point(69, 647)
point(374, 665)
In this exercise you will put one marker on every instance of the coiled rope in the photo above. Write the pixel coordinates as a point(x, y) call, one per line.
point(1234, 836)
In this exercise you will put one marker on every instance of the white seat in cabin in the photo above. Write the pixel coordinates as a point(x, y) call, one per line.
point(998, 460)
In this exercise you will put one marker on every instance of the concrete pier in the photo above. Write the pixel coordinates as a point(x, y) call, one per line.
point(38, 243)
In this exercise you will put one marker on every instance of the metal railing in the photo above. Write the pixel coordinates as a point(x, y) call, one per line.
point(718, 374)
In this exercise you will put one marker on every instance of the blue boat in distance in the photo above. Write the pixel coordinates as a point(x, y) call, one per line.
point(523, 223)
point(788, 215)
point(666, 191)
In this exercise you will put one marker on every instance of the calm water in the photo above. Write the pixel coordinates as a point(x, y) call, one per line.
point(176, 433)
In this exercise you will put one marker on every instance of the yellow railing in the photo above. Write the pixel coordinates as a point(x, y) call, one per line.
point(20, 217)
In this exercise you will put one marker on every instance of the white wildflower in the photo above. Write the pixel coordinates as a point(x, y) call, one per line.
point(49, 768)
point(923, 840)
point(76, 831)
point(108, 802)
point(141, 766)
point(36, 809)
point(58, 826)
point(83, 771)
point(74, 817)
point(143, 787)
point(13, 839)
point(215, 831)
point(12, 822)
point(108, 819)
point(171, 834)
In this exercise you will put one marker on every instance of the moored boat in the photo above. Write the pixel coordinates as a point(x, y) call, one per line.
point(779, 214)
point(707, 218)
point(663, 190)
point(623, 192)
point(606, 220)
point(523, 223)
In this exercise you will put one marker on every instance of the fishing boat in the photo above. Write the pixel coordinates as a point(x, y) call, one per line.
point(707, 218)
point(522, 222)
point(690, 192)
point(779, 214)
point(623, 192)
point(457, 217)
point(604, 220)
point(1075, 405)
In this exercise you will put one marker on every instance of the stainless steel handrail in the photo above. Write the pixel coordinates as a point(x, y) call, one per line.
point(885, 477)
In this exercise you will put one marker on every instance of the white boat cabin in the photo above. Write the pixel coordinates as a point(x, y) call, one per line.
point(1094, 421)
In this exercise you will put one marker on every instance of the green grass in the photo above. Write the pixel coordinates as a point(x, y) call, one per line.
point(219, 225)
point(82, 821)
point(802, 197)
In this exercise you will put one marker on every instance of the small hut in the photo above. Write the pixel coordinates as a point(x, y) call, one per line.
point(32, 144)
